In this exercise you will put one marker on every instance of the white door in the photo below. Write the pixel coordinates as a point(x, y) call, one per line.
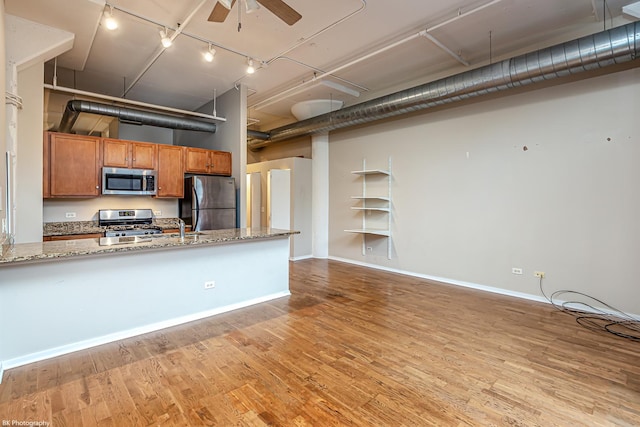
point(279, 198)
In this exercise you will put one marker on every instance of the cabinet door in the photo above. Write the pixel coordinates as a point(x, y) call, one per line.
point(116, 153)
point(46, 188)
point(170, 171)
point(143, 155)
point(74, 165)
point(197, 160)
point(220, 163)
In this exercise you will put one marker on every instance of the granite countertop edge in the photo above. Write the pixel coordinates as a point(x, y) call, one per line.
point(53, 250)
point(70, 228)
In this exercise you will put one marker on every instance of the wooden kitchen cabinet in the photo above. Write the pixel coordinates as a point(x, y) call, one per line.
point(170, 173)
point(212, 162)
point(73, 165)
point(120, 153)
point(72, 237)
point(46, 187)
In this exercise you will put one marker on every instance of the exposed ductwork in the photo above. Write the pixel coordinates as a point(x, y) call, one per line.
point(600, 50)
point(129, 115)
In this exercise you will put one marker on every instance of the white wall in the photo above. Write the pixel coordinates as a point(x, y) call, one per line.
point(470, 202)
point(3, 145)
point(54, 210)
point(29, 161)
point(300, 200)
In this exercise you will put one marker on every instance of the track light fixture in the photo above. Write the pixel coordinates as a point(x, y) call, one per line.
point(209, 54)
point(165, 39)
point(251, 5)
point(250, 67)
point(109, 21)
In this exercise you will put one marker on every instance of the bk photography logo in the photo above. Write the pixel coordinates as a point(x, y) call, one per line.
point(10, 423)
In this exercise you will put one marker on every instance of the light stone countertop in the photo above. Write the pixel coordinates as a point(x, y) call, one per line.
point(49, 251)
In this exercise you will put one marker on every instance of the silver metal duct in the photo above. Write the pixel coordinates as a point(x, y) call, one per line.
point(129, 115)
point(600, 50)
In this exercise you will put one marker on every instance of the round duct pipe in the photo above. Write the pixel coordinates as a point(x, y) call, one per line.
point(604, 49)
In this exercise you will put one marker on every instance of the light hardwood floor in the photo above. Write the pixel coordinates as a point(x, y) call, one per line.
point(351, 346)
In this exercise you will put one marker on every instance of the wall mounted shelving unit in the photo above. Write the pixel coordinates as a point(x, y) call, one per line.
point(372, 204)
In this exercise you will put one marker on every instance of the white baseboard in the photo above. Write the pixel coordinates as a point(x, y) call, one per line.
point(93, 342)
point(471, 285)
point(446, 280)
point(300, 258)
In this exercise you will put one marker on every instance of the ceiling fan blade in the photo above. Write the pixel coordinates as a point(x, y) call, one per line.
point(219, 12)
point(281, 10)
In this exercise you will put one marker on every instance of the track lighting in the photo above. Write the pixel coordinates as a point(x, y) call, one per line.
point(209, 54)
point(165, 39)
point(250, 68)
point(109, 21)
point(251, 5)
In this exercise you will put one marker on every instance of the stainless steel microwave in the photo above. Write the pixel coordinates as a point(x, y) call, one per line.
point(133, 182)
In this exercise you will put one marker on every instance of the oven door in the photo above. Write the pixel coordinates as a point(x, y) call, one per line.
point(123, 181)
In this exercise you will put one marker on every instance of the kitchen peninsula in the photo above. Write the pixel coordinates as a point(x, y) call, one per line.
point(61, 296)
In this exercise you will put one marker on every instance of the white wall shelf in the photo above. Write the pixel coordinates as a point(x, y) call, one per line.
point(379, 204)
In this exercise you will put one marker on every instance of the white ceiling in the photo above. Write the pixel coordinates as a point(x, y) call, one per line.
point(372, 43)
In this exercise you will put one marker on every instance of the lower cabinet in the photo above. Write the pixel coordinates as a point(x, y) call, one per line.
point(73, 237)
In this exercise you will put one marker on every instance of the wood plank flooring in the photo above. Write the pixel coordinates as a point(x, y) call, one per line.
point(351, 346)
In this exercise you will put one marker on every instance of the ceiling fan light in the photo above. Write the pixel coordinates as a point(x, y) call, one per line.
point(250, 68)
point(225, 3)
point(251, 5)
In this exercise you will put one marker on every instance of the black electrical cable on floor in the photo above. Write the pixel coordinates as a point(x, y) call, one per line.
point(605, 319)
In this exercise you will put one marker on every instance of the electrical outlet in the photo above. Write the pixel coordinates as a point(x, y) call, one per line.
point(157, 213)
point(369, 249)
point(516, 270)
point(70, 214)
point(539, 274)
point(210, 284)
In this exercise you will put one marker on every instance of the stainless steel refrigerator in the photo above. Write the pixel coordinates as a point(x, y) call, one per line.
point(209, 202)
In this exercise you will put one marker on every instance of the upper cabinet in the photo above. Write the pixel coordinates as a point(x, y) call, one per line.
point(129, 154)
point(73, 165)
point(211, 162)
point(170, 171)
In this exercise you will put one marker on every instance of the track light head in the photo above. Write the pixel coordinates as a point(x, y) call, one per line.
point(209, 54)
point(250, 68)
point(109, 21)
point(165, 39)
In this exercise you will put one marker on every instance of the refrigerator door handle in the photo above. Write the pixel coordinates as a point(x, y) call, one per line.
point(196, 211)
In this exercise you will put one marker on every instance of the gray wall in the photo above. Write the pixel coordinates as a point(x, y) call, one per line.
point(145, 134)
point(545, 180)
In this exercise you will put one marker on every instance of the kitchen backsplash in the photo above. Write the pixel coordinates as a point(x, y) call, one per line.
point(62, 210)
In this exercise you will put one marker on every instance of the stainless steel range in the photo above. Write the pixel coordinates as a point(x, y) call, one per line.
point(127, 222)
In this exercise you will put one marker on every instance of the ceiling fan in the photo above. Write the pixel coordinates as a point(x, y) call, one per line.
point(277, 7)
